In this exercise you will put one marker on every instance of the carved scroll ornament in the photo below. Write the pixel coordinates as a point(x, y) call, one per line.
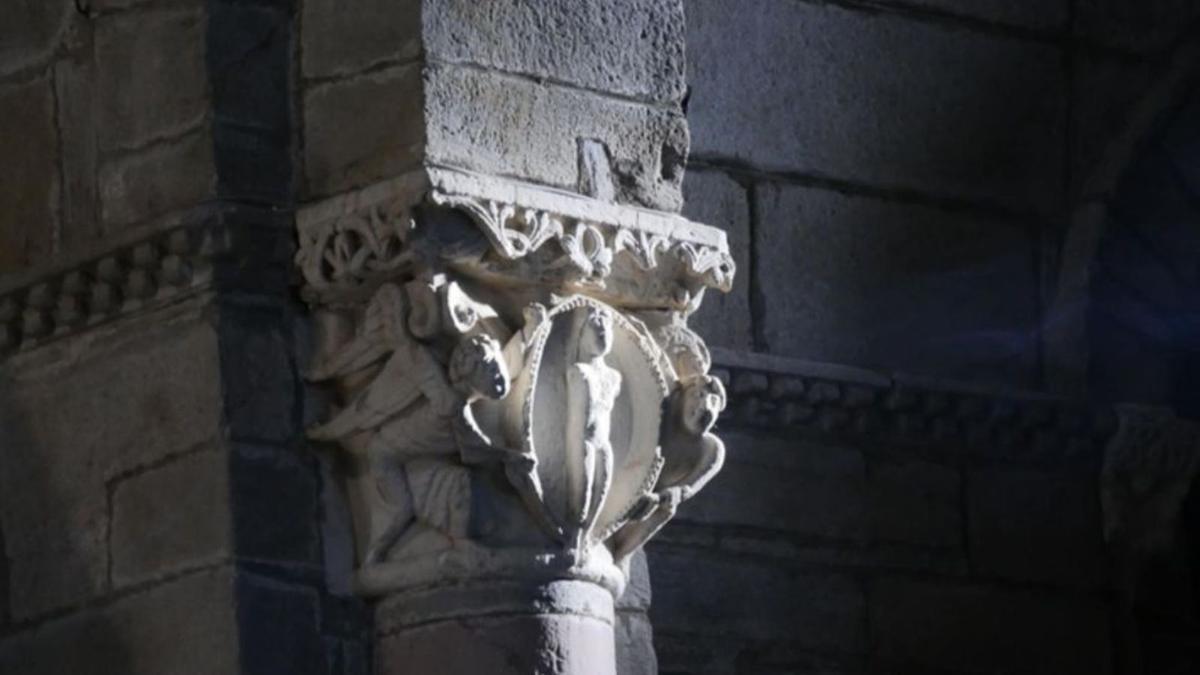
point(509, 404)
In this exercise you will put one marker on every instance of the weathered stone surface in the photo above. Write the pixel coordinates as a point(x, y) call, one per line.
point(171, 518)
point(794, 486)
point(628, 47)
point(949, 628)
point(346, 148)
point(637, 593)
point(30, 33)
point(877, 284)
point(878, 99)
point(66, 437)
point(504, 645)
point(913, 501)
point(1143, 26)
point(275, 504)
point(250, 50)
point(336, 41)
point(1037, 14)
point(715, 199)
point(279, 626)
point(29, 192)
point(75, 81)
point(697, 593)
point(810, 489)
point(508, 126)
point(150, 66)
point(1031, 526)
point(259, 376)
point(635, 644)
point(185, 626)
point(157, 180)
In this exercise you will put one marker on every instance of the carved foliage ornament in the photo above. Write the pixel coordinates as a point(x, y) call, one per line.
point(490, 431)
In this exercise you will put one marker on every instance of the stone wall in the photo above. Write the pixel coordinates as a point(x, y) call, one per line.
point(108, 124)
point(899, 181)
point(899, 175)
point(871, 522)
point(895, 176)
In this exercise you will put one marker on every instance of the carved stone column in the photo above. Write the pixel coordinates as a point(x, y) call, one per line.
point(519, 405)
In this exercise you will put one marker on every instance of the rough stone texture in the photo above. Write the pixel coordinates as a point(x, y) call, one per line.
point(504, 645)
point(635, 644)
point(279, 627)
point(812, 489)
point(170, 518)
point(695, 593)
point(344, 147)
point(75, 80)
point(70, 428)
point(1030, 526)
point(713, 198)
point(878, 99)
point(340, 42)
point(276, 502)
point(628, 47)
point(249, 51)
point(30, 33)
point(879, 284)
point(151, 68)
point(944, 628)
point(183, 627)
point(498, 124)
point(157, 180)
point(1036, 14)
point(29, 188)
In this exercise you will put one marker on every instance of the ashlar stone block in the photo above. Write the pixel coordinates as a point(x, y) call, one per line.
point(883, 285)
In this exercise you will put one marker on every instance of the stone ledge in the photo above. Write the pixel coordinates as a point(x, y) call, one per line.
point(349, 243)
point(144, 269)
point(779, 393)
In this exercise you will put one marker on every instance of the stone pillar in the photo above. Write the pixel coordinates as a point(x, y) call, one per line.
point(519, 405)
point(490, 248)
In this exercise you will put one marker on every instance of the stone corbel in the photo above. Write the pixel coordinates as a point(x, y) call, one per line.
point(518, 394)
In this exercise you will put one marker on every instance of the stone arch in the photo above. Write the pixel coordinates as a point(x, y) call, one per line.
point(1119, 300)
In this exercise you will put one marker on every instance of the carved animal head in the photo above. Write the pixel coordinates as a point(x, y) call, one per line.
point(477, 368)
point(703, 399)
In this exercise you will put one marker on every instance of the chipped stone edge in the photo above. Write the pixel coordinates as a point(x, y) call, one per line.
point(775, 393)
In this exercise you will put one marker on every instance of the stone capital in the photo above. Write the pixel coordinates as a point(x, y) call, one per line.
point(518, 395)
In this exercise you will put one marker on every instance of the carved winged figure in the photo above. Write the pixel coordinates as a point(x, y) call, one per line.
point(410, 417)
point(692, 456)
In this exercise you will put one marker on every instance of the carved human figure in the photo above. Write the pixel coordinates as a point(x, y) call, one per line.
point(592, 388)
point(692, 456)
point(414, 415)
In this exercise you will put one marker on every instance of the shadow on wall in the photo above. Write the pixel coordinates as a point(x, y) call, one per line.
point(1144, 313)
point(41, 551)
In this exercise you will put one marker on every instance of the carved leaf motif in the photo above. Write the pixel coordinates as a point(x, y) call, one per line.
point(715, 267)
point(587, 251)
point(356, 246)
point(642, 245)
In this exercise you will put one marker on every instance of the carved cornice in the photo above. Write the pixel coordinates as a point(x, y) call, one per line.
point(779, 394)
point(139, 271)
point(536, 235)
